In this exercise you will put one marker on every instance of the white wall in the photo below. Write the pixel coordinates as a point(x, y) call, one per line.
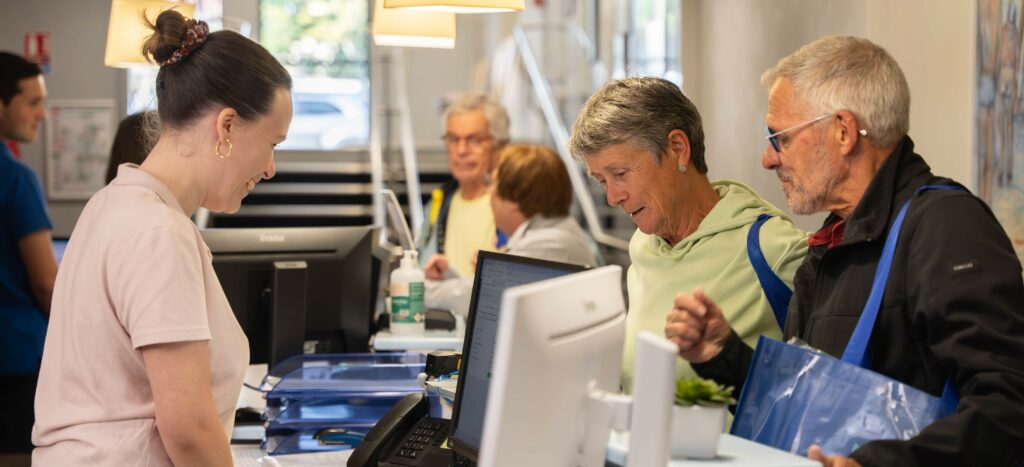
point(727, 44)
point(934, 43)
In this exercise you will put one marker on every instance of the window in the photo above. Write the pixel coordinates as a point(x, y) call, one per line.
point(142, 89)
point(315, 108)
point(325, 45)
point(655, 39)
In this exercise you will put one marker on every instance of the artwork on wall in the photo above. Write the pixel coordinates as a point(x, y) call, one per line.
point(78, 138)
point(999, 125)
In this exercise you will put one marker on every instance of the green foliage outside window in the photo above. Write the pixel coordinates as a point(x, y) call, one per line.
point(318, 38)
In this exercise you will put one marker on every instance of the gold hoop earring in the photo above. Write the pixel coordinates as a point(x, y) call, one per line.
point(217, 149)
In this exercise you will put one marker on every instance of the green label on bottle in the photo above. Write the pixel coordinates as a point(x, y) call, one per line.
point(408, 306)
point(416, 291)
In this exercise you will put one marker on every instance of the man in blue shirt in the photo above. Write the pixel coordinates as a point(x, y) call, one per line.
point(27, 265)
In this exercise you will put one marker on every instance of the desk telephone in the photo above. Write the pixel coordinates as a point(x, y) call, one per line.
point(406, 437)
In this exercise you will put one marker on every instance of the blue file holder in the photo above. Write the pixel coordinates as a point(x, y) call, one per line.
point(283, 442)
point(351, 392)
point(330, 411)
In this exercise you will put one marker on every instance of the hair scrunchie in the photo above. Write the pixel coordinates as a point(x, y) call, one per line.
point(195, 34)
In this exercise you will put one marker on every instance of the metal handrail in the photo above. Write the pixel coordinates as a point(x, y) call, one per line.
point(377, 157)
point(412, 173)
point(598, 72)
point(561, 136)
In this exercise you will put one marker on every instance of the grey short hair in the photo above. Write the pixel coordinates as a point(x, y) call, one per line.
point(494, 112)
point(849, 73)
point(640, 111)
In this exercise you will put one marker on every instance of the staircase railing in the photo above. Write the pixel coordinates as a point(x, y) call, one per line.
point(560, 134)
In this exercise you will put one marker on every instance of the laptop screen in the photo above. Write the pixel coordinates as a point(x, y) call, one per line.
point(495, 272)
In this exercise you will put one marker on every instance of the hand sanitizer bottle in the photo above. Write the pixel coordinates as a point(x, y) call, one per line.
point(407, 313)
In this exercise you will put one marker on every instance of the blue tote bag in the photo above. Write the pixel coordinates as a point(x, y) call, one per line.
point(795, 396)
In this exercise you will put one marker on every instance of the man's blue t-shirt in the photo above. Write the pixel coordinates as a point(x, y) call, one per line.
point(22, 212)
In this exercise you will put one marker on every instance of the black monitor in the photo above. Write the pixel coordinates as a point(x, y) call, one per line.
point(291, 287)
point(495, 273)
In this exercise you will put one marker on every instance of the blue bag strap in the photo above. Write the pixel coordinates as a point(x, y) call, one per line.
point(775, 289)
point(856, 349)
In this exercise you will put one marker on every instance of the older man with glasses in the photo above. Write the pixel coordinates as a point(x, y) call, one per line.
point(952, 310)
point(460, 221)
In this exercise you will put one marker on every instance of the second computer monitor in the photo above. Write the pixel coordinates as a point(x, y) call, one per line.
point(557, 341)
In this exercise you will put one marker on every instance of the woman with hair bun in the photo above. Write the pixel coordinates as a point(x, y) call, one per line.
point(144, 360)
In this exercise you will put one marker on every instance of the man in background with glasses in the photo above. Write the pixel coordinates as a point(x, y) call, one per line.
point(953, 305)
point(460, 220)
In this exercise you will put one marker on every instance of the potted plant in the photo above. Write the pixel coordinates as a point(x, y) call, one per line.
point(698, 417)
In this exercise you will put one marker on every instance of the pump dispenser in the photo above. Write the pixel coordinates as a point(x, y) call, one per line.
point(407, 313)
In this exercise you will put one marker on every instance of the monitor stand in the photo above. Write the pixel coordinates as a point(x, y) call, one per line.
point(287, 311)
point(647, 413)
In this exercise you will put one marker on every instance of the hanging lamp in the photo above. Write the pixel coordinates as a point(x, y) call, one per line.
point(409, 28)
point(458, 6)
point(127, 30)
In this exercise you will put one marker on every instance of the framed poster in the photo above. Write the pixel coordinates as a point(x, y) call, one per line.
point(78, 138)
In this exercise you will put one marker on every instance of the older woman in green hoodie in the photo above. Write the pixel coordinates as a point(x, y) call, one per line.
point(642, 140)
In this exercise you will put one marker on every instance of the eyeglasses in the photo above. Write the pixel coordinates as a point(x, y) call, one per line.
point(773, 138)
point(473, 141)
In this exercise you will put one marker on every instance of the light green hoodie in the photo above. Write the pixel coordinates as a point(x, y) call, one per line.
point(714, 257)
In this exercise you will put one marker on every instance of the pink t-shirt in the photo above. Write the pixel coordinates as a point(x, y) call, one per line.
point(135, 273)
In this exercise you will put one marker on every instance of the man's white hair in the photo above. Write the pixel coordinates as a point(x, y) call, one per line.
point(849, 73)
point(494, 112)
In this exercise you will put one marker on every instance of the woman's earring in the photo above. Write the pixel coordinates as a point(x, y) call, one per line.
point(681, 168)
point(217, 149)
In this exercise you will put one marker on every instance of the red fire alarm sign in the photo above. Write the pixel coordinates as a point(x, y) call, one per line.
point(38, 49)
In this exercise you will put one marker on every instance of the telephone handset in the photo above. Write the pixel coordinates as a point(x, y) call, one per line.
point(391, 428)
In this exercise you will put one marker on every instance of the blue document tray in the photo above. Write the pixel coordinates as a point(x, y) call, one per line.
point(279, 442)
point(319, 412)
point(344, 376)
point(347, 393)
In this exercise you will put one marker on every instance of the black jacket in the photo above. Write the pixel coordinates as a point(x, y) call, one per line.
point(953, 306)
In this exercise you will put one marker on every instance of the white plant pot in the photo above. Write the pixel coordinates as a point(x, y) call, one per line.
point(695, 431)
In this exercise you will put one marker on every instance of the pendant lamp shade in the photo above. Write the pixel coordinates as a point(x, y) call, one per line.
point(408, 28)
point(458, 6)
point(128, 30)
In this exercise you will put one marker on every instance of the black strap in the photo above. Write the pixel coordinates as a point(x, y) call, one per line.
point(448, 189)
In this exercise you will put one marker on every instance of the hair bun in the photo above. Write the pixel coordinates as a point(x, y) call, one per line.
point(174, 37)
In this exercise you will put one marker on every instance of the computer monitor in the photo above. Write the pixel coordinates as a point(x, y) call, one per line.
point(290, 288)
point(495, 273)
point(558, 341)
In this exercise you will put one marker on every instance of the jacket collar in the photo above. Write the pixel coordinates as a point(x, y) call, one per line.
point(901, 173)
point(536, 222)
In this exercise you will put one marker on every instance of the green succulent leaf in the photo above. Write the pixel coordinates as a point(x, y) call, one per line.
point(699, 391)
